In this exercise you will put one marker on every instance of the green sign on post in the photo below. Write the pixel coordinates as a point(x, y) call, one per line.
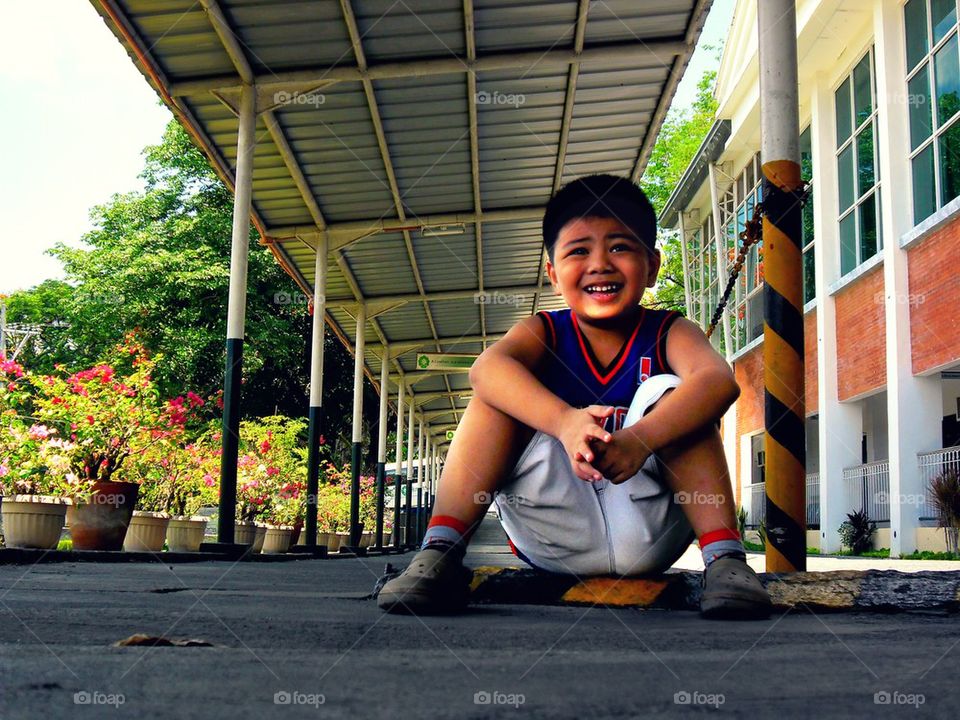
point(445, 361)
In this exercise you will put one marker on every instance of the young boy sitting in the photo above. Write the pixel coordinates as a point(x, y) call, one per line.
point(594, 428)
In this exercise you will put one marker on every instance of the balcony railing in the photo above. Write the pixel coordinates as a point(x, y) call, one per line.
point(758, 504)
point(931, 465)
point(813, 500)
point(868, 487)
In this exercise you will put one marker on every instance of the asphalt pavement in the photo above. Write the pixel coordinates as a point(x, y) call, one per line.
point(302, 639)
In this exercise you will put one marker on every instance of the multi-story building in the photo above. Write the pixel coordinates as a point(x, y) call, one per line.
point(879, 84)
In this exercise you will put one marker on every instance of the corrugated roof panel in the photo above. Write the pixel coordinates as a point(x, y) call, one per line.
point(500, 318)
point(456, 317)
point(405, 323)
point(624, 20)
point(448, 262)
point(427, 122)
point(381, 265)
point(512, 24)
point(511, 253)
point(409, 28)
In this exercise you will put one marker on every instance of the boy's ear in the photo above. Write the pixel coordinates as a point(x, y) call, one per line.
point(552, 274)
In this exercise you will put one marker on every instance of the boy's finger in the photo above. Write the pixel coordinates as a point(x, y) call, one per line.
point(595, 431)
point(600, 411)
point(585, 471)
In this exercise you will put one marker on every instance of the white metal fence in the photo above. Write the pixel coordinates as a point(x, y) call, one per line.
point(868, 487)
point(933, 464)
point(758, 504)
point(813, 500)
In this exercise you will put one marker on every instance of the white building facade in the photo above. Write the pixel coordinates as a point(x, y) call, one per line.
point(879, 84)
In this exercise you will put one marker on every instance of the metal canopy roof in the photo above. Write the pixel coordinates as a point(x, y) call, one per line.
point(378, 118)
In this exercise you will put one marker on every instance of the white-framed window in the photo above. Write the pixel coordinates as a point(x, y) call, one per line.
point(858, 172)
point(933, 94)
point(809, 250)
point(748, 296)
point(702, 253)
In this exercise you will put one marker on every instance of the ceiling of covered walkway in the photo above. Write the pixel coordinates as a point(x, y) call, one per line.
point(423, 138)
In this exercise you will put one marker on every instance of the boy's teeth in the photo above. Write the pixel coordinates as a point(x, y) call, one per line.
point(602, 288)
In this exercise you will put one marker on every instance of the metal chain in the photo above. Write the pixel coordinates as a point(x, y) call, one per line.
point(751, 235)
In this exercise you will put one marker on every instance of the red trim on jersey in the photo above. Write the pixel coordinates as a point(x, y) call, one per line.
point(721, 534)
point(553, 332)
point(448, 521)
point(624, 351)
point(660, 361)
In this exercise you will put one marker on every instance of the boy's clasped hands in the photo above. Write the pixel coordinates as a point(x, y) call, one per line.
point(595, 453)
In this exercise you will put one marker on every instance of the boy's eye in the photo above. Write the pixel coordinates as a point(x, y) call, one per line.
point(578, 251)
point(621, 246)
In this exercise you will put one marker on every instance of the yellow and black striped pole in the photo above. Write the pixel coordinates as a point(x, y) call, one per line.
point(783, 288)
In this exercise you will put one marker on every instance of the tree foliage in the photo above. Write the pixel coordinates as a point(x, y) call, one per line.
point(682, 132)
point(158, 262)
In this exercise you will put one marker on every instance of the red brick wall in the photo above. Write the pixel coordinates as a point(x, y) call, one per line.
point(811, 385)
point(749, 373)
point(934, 283)
point(861, 336)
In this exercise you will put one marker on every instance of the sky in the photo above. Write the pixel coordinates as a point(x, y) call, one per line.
point(77, 115)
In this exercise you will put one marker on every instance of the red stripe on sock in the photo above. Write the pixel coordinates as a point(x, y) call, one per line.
point(448, 521)
point(721, 534)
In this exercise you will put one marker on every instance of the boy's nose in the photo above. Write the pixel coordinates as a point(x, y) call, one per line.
point(600, 261)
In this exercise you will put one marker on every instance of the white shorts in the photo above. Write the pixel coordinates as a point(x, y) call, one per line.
point(560, 523)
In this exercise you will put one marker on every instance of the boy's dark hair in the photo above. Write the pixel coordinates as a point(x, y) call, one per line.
point(605, 196)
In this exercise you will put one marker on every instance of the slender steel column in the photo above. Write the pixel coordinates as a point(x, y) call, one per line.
point(315, 428)
point(357, 430)
point(398, 472)
point(236, 315)
point(408, 519)
point(382, 444)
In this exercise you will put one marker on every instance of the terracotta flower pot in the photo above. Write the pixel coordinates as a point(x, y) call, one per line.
point(245, 532)
point(277, 539)
point(102, 522)
point(147, 532)
point(33, 521)
point(184, 534)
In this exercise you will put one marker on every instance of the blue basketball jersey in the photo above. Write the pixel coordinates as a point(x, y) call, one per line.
point(572, 372)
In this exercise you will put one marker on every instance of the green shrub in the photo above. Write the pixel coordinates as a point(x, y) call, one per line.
point(856, 532)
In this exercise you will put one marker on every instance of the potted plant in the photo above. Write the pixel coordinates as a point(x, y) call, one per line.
point(110, 411)
point(856, 532)
point(35, 482)
point(945, 495)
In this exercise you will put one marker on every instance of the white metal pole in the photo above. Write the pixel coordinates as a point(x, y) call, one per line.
point(398, 465)
point(315, 418)
point(408, 521)
point(382, 442)
point(420, 467)
point(236, 315)
point(359, 349)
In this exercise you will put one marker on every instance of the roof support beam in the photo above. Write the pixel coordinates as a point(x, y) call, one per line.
point(649, 52)
point(468, 30)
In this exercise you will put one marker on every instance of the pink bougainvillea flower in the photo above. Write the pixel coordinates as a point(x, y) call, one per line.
point(208, 480)
point(39, 432)
point(90, 419)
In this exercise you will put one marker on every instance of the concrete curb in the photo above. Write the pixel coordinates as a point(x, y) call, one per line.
point(839, 591)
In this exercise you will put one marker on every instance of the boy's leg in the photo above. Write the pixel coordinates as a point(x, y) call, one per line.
point(484, 450)
point(695, 468)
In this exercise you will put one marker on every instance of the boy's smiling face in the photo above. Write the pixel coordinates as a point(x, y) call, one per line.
point(601, 268)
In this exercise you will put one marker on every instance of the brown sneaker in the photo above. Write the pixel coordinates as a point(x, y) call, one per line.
point(434, 582)
point(732, 591)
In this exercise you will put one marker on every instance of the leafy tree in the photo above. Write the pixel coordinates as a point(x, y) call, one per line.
point(158, 262)
point(681, 135)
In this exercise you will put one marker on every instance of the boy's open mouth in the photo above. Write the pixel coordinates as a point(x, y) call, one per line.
point(603, 290)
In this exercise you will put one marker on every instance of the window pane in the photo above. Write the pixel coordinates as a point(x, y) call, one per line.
point(862, 97)
point(809, 282)
point(806, 155)
point(751, 269)
point(806, 220)
point(924, 200)
point(868, 228)
point(949, 143)
point(843, 112)
point(845, 177)
point(948, 81)
point(918, 99)
point(755, 329)
point(865, 177)
point(848, 244)
point(915, 17)
point(943, 16)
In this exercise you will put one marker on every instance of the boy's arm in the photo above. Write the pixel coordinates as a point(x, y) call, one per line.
point(707, 390)
point(503, 376)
